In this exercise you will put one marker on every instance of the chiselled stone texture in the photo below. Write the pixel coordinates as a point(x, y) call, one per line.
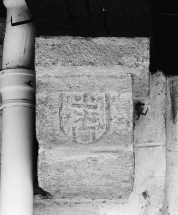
point(150, 149)
point(171, 206)
point(128, 54)
point(98, 99)
point(84, 126)
point(84, 117)
point(78, 51)
point(86, 172)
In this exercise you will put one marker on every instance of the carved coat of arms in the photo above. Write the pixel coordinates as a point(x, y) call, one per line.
point(84, 116)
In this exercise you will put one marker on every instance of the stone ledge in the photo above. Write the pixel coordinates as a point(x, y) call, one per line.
point(78, 51)
point(54, 88)
point(130, 55)
point(46, 207)
point(76, 164)
point(140, 77)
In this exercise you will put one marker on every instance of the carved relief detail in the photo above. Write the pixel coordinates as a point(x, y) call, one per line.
point(84, 116)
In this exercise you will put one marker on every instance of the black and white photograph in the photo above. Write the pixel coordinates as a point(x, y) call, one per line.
point(88, 107)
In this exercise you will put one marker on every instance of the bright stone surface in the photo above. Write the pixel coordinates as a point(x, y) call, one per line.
point(150, 149)
point(86, 147)
point(130, 54)
point(104, 107)
point(85, 130)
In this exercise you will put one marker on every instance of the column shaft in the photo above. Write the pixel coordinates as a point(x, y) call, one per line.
point(17, 85)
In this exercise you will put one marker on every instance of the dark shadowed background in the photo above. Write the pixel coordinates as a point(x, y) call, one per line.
point(113, 18)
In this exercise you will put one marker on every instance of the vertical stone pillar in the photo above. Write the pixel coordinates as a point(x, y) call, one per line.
point(171, 203)
point(17, 85)
point(150, 150)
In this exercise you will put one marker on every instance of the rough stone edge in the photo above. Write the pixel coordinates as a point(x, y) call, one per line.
point(89, 71)
point(102, 51)
point(171, 193)
point(140, 86)
point(140, 201)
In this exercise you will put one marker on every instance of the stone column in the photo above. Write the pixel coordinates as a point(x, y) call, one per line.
point(171, 200)
point(17, 85)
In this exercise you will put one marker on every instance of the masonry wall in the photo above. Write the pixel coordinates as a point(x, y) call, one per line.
point(113, 173)
point(66, 65)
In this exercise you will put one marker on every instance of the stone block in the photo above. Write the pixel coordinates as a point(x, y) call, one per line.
point(171, 206)
point(79, 51)
point(84, 120)
point(70, 207)
point(151, 128)
point(70, 101)
point(86, 172)
point(128, 54)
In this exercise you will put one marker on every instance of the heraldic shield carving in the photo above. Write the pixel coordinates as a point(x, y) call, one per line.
point(84, 116)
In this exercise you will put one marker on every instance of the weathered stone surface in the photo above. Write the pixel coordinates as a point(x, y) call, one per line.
point(85, 130)
point(151, 127)
point(78, 51)
point(2, 28)
point(171, 206)
point(67, 207)
point(172, 104)
point(150, 150)
point(130, 54)
point(86, 172)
